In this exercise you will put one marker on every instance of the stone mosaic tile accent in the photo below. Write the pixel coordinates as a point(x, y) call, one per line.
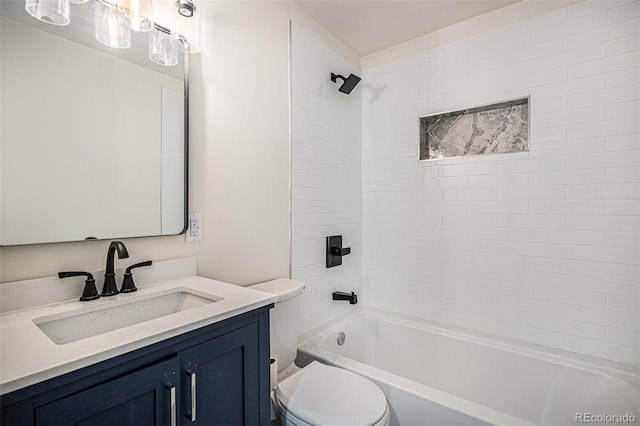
point(491, 129)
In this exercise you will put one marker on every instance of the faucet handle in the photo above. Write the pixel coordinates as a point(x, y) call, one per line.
point(90, 292)
point(127, 284)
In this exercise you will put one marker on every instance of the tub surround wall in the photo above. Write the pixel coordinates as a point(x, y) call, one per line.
point(326, 176)
point(540, 246)
point(515, 12)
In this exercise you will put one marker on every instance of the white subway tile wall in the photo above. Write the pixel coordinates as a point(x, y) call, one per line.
point(541, 246)
point(326, 194)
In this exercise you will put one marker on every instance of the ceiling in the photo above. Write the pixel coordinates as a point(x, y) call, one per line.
point(367, 26)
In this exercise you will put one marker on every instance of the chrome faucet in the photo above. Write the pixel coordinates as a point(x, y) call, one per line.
point(110, 288)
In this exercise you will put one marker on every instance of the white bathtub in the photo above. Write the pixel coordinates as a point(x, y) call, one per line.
point(443, 376)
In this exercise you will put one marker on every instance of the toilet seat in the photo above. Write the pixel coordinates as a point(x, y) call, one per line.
point(323, 395)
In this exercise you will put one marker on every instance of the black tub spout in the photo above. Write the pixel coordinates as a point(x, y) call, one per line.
point(340, 295)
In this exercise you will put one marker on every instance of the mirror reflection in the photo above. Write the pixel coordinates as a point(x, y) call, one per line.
point(92, 138)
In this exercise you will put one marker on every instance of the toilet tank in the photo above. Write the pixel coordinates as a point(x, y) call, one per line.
point(284, 318)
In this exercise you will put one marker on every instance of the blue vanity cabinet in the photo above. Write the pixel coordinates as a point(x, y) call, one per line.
point(146, 397)
point(221, 370)
point(220, 380)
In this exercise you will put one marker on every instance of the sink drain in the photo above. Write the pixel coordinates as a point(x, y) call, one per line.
point(341, 338)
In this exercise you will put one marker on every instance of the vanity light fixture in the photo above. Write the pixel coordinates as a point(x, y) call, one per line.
point(115, 19)
point(160, 50)
point(186, 8)
point(185, 26)
point(54, 12)
point(110, 30)
point(136, 14)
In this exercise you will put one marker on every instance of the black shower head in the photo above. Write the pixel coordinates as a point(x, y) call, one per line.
point(349, 82)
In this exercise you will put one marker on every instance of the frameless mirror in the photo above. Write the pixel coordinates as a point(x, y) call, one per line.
point(93, 141)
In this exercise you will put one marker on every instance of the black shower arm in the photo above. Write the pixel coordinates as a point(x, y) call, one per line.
point(336, 76)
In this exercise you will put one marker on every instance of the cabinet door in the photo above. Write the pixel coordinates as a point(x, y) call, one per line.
point(221, 380)
point(144, 397)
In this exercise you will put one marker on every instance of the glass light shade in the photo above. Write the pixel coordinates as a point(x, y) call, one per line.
point(79, 1)
point(109, 30)
point(137, 14)
point(160, 49)
point(185, 26)
point(55, 12)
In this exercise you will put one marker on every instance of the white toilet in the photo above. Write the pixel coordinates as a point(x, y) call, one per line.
point(318, 394)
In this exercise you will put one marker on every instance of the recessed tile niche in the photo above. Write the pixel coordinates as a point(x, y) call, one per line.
point(490, 129)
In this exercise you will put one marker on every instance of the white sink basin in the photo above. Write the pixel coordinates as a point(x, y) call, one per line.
point(91, 321)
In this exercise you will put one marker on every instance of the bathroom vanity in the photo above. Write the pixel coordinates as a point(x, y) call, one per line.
point(202, 359)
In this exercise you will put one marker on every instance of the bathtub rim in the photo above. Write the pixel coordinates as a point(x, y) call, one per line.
point(546, 353)
point(310, 349)
point(452, 402)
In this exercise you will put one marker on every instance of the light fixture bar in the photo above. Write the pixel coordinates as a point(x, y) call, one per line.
point(114, 20)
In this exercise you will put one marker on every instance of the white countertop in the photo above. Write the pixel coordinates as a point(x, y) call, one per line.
point(28, 356)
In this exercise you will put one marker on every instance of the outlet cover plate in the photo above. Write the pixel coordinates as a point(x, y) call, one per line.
point(194, 232)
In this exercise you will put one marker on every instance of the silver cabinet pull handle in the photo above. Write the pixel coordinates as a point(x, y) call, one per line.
point(172, 405)
point(193, 395)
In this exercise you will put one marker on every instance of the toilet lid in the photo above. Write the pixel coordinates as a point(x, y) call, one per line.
point(323, 395)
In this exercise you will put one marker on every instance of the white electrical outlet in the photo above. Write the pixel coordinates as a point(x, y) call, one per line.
point(194, 232)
